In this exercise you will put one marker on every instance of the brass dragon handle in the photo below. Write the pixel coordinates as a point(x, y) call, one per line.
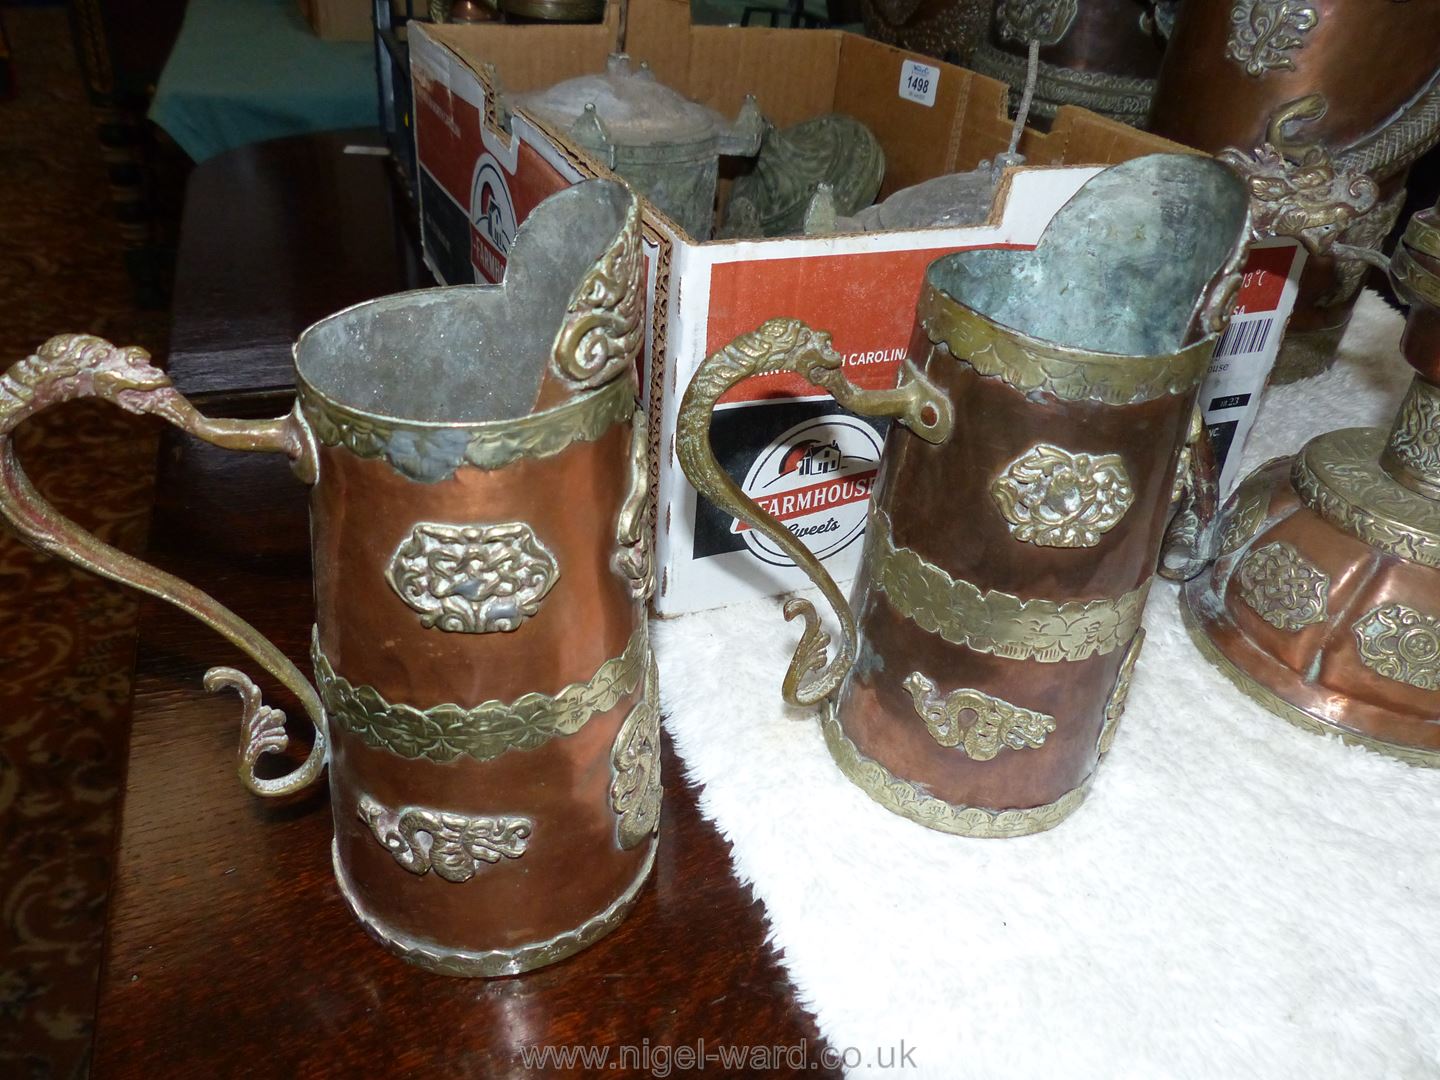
point(789, 345)
point(72, 366)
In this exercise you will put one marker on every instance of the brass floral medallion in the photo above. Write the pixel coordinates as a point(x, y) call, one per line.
point(1053, 498)
point(1397, 642)
point(456, 845)
point(473, 579)
point(1046, 21)
point(1115, 707)
point(1283, 588)
point(1264, 32)
point(978, 723)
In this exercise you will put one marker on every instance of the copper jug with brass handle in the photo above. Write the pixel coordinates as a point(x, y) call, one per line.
point(1047, 429)
point(484, 694)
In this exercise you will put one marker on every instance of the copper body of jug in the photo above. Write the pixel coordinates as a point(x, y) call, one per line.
point(484, 694)
point(1023, 495)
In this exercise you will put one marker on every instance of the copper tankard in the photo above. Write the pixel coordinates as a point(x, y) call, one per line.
point(484, 695)
point(1044, 411)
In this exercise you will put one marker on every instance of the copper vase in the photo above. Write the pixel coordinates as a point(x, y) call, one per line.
point(1042, 417)
point(484, 695)
point(1326, 104)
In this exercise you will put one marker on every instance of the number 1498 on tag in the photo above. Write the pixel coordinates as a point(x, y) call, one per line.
point(918, 82)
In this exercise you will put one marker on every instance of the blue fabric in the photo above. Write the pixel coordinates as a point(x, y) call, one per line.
point(247, 70)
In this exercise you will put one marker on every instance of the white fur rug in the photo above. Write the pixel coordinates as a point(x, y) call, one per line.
point(1236, 898)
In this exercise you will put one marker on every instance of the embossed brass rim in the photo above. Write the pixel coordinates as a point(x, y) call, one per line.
point(432, 451)
point(1273, 702)
point(910, 801)
point(1413, 281)
point(992, 621)
point(465, 964)
point(1028, 363)
point(1423, 234)
point(1338, 476)
point(485, 731)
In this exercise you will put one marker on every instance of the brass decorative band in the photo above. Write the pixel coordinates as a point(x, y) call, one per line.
point(1400, 140)
point(1072, 374)
point(1423, 234)
point(1123, 97)
point(1268, 699)
point(911, 801)
point(1413, 281)
point(466, 964)
point(996, 622)
point(1339, 477)
point(485, 731)
point(431, 453)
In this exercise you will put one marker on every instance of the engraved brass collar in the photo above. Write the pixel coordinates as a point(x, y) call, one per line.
point(1338, 475)
point(1028, 363)
point(431, 452)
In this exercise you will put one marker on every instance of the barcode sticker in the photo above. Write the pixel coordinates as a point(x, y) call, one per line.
point(1244, 337)
point(918, 82)
point(1246, 351)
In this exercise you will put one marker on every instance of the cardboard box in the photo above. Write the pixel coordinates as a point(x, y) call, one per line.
point(340, 20)
point(776, 435)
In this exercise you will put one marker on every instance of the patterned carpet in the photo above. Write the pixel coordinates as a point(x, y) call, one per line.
point(66, 638)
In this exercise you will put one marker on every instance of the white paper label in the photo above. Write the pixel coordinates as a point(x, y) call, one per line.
point(918, 82)
point(1245, 353)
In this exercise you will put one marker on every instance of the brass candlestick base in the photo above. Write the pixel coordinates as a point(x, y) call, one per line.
point(1323, 602)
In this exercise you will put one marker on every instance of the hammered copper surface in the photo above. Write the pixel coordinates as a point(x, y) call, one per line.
point(363, 510)
point(939, 499)
point(1317, 669)
point(571, 868)
point(1368, 59)
point(1107, 36)
point(923, 488)
point(1372, 63)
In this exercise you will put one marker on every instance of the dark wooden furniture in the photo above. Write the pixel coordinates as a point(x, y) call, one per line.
point(273, 237)
point(229, 949)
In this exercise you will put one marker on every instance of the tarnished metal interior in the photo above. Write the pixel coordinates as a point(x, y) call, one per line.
point(472, 353)
point(1122, 266)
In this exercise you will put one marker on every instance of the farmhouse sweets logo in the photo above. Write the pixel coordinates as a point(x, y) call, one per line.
point(815, 477)
point(492, 218)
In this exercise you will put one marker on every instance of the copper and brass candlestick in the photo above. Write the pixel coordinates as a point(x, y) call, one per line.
point(1324, 601)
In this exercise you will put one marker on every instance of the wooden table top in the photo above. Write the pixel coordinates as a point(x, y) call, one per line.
point(273, 237)
point(229, 949)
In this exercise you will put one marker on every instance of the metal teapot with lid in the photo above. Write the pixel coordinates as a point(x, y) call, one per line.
point(666, 145)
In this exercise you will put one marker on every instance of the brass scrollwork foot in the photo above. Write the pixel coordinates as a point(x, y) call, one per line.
point(262, 731)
